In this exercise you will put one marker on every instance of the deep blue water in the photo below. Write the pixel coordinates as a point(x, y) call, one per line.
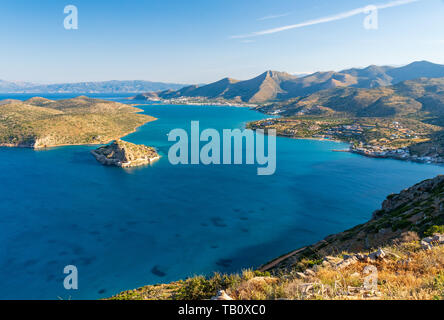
point(60, 207)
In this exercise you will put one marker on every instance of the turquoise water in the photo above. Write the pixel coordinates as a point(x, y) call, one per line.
point(128, 228)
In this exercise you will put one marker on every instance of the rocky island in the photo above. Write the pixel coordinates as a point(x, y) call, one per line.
point(125, 154)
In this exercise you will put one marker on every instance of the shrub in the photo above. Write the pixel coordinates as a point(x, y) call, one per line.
point(401, 224)
point(434, 229)
point(200, 287)
point(262, 274)
point(307, 264)
point(438, 284)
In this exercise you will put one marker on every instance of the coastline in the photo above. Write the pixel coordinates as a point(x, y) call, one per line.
point(39, 148)
point(424, 160)
point(395, 157)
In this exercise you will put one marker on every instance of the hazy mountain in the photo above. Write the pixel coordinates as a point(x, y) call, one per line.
point(278, 86)
point(13, 86)
point(369, 77)
point(415, 70)
point(113, 86)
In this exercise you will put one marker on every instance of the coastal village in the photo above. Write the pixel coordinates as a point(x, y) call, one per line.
point(379, 138)
point(196, 101)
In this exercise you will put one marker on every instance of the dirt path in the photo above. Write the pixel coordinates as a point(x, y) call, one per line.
point(279, 260)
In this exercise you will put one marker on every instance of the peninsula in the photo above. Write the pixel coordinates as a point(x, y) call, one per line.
point(40, 123)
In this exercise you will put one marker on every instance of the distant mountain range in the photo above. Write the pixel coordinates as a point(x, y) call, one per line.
point(273, 86)
point(114, 86)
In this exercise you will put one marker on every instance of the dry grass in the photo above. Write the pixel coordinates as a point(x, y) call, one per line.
point(407, 272)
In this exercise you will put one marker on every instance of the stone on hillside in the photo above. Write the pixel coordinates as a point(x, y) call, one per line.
point(222, 295)
point(428, 239)
point(380, 254)
point(345, 263)
point(425, 245)
point(360, 256)
point(329, 260)
point(125, 155)
point(310, 273)
point(438, 238)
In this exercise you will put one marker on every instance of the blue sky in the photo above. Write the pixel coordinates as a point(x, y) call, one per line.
point(201, 41)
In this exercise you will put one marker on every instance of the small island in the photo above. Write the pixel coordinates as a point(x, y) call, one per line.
point(125, 154)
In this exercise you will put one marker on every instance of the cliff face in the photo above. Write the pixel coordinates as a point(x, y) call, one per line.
point(124, 154)
point(402, 217)
point(421, 191)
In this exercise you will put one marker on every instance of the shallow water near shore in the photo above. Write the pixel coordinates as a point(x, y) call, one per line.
point(127, 228)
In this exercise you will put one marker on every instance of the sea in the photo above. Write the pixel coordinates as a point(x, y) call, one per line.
point(126, 228)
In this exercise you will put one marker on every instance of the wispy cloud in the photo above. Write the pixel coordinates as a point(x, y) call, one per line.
point(275, 16)
point(340, 16)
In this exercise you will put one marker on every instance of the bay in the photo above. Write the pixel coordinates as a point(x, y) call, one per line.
point(128, 228)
